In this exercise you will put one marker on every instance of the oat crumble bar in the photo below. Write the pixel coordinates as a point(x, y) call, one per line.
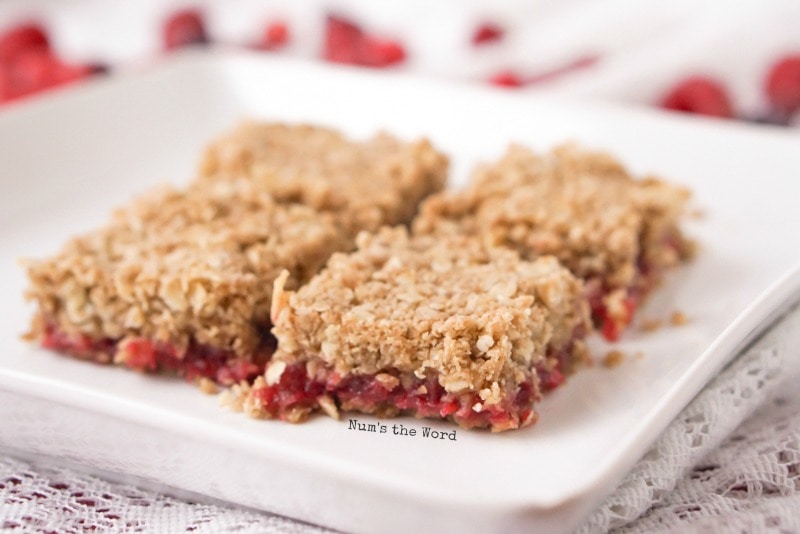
point(180, 281)
point(617, 233)
point(439, 327)
point(364, 184)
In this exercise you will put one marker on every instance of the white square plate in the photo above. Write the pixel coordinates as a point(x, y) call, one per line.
point(68, 158)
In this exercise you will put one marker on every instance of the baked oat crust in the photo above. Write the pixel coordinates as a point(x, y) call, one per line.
point(582, 207)
point(364, 184)
point(478, 318)
point(190, 271)
point(176, 266)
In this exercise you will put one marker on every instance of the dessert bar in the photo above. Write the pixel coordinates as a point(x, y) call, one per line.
point(179, 281)
point(439, 327)
point(364, 184)
point(615, 232)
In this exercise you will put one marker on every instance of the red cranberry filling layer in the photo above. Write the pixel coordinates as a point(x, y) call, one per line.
point(550, 377)
point(198, 361)
point(611, 325)
point(405, 394)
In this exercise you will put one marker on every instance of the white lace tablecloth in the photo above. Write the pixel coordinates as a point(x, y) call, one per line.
point(729, 463)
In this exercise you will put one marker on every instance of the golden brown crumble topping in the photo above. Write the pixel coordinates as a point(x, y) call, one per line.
point(678, 318)
point(475, 316)
point(582, 207)
point(198, 265)
point(651, 324)
point(207, 386)
point(179, 265)
point(365, 184)
point(613, 358)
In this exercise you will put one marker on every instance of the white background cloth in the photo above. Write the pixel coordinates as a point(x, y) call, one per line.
point(642, 48)
point(729, 462)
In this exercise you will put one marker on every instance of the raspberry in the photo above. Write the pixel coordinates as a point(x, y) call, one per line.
point(34, 68)
point(140, 355)
point(449, 408)
point(30, 70)
point(611, 331)
point(64, 73)
point(552, 380)
point(184, 28)
point(346, 42)
point(276, 35)
point(699, 95)
point(783, 84)
point(487, 33)
point(506, 79)
point(613, 327)
point(6, 92)
point(376, 52)
point(20, 39)
point(342, 39)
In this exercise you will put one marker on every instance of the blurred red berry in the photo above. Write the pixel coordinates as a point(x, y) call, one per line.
point(28, 65)
point(70, 73)
point(699, 95)
point(184, 28)
point(30, 71)
point(22, 38)
point(276, 35)
point(34, 70)
point(6, 91)
point(342, 39)
point(376, 52)
point(783, 85)
point(506, 79)
point(487, 33)
point(346, 42)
